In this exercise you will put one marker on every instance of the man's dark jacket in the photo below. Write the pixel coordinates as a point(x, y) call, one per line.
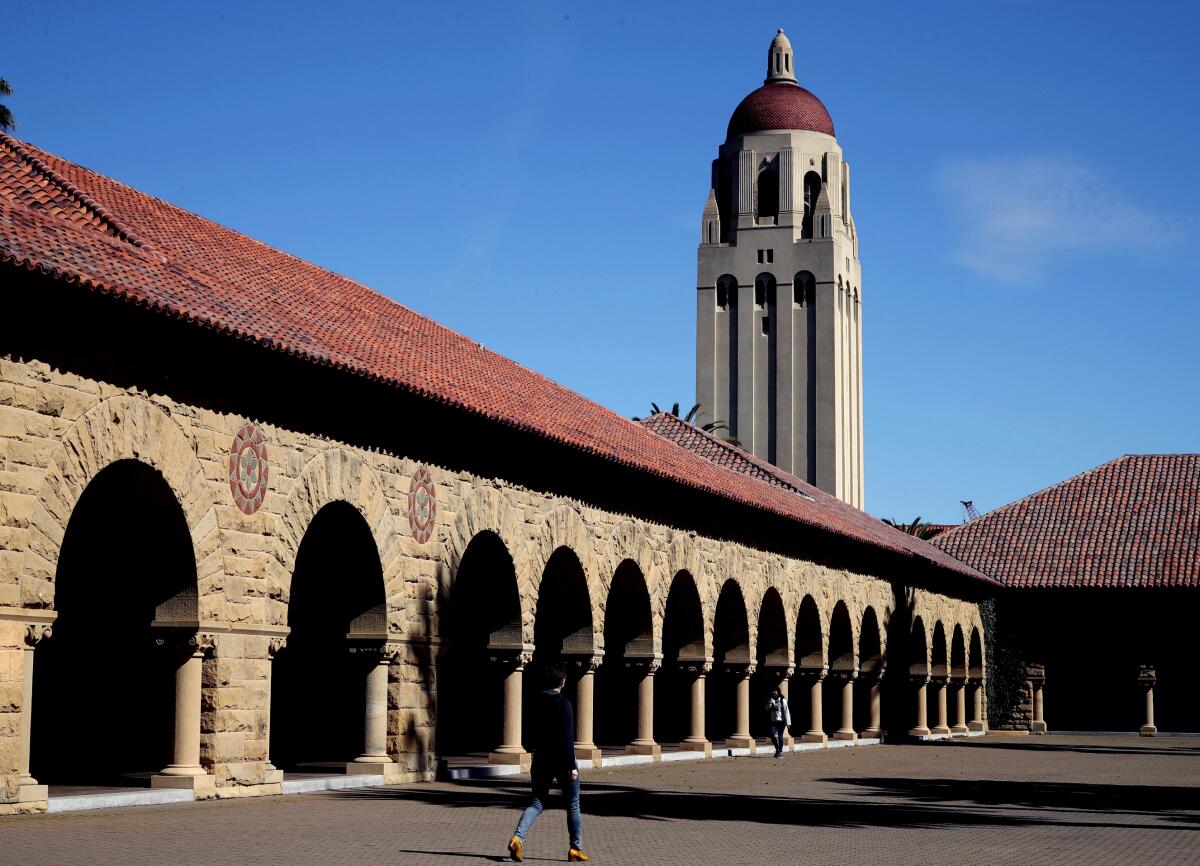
point(554, 734)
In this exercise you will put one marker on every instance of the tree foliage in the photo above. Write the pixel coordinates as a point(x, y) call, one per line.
point(7, 123)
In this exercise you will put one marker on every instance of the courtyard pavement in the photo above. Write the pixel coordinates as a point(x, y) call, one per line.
point(991, 800)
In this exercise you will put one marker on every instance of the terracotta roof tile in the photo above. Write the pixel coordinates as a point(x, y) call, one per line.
point(148, 251)
point(1132, 522)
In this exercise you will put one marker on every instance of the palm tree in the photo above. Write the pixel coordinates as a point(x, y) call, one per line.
point(6, 118)
point(916, 528)
point(690, 418)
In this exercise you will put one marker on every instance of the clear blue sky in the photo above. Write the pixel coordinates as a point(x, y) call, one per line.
point(532, 174)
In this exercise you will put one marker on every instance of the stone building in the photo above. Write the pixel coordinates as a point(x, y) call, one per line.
point(1101, 576)
point(778, 304)
point(257, 519)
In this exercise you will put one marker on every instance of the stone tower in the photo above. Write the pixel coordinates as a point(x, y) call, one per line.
point(778, 303)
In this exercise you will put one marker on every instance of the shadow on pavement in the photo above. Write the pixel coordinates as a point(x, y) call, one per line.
point(1031, 744)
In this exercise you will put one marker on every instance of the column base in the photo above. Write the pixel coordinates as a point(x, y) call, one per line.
point(919, 732)
point(697, 746)
point(1037, 727)
point(850, 736)
point(1148, 731)
point(273, 776)
point(368, 765)
point(960, 729)
point(939, 729)
point(34, 793)
point(871, 734)
point(203, 782)
point(815, 737)
point(588, 752)
point(520, 758)
point(645, 747)
point(976, 726)
point(740, 742)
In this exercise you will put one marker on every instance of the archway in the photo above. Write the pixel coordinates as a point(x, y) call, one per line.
point(628, 648)
point(939, 671)
point(336, 608)
point(683, 647)
point(810, 663)
point(870, 671)
point(772, 659)
point(126, 575)
point(841, 667)
point(562, 629)
point(957, 688)
point(731, 655)
point(977, 683)
point(482, 625)
point(919, 671)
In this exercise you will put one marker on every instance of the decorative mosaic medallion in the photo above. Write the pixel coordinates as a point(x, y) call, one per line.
point(248, 469)
point(422, 505)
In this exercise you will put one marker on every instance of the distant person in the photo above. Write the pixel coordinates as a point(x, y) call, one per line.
point(779, 715)
point(553, 764)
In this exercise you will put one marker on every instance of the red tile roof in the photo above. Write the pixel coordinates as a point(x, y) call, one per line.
point(782, 105)
point(1132, 522)
point(73, 224)
point(812, 500)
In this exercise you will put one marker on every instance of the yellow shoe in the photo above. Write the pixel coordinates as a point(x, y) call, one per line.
point(577, 856)
point(514, 849)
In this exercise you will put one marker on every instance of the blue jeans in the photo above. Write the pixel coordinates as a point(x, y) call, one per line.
point(542, 781)
point(778, 729)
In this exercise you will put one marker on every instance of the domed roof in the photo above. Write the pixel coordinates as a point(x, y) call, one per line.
point(780, 105)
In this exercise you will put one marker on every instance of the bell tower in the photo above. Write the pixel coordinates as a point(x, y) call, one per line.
point(778, 300)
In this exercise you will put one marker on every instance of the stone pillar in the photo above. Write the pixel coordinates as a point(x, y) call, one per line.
point(271, 774)
point(30, 791)
point(846, 731)
point(785, 676)
point(741, 738)
point(960, 708)
point(374, 754)
point(1146, 679)
point(1037, 679)
point(942, 726)
point(185, 771)
point(696, 741)
point(816, 730)
point(585, 748)
point(510, 750)
point(978, 722)
point(645, 743)
point(921, 728)
point(874, 729)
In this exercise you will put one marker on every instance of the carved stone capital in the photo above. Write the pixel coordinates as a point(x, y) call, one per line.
point(202, 644)
point(275, 645)
point(36, 632)
point(696, 667)
point(644, 665)
point(383, 653)
point(920, 679)
point(1146, 676)
point(586, 664)
point(515, 660)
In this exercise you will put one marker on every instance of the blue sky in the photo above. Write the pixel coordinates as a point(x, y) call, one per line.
point(532, 174)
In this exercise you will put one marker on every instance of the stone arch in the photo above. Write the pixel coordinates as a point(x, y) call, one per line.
point(938, 658)
point(563, 528)
point(773, 639)
point(870, 643)
point(340, 475)
point(842, 655)
point(488, 509)
point(565, 621)
point(731, 625)
point(958, 654)
point(919, 654)
point(682, 554)
point(122, 427)
point(810, 637)
point(976, 661)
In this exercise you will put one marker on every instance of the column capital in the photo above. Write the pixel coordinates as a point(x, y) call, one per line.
point(1146, 675)
point(36, 632)
point(817, 674)
point(202, 644)
point(585, 664)
point(743, 669)
point(701, 667)
point(515, 660)
point(650, 664)
point(275, 645)
point(385, 653)
point(920, 679)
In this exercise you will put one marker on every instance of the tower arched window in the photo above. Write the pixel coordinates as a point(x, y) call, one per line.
point(812, 191)
point(768, 194)
point(804, 287)
point(764, 290)
point(726, 292)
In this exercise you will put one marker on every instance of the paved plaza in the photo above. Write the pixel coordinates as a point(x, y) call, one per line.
point(993, 800)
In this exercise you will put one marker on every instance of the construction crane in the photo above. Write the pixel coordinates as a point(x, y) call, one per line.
point(969, 507)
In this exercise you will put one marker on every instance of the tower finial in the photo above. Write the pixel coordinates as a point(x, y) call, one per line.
point(780, 61)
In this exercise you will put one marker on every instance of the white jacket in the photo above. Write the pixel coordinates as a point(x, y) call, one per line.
point(778, 710)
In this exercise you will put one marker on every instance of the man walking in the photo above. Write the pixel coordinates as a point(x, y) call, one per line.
point(553, 764)
point(780, 717)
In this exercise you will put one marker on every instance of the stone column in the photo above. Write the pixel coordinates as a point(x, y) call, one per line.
point(271, 774)
point(1037, 679)
point(846, 731)
point(874, 729)
point(696, 741)
point(816, 730)
point(978, 722)
point(645, 743)
point(30, 791)
point(942, 726)
point(741, 738)
point(185, 771)
point(585, 748)
point(785, 676)
point(1146, 679)
point(374, 754)
point(960, 708)
point(510, 750)
point(921, 728)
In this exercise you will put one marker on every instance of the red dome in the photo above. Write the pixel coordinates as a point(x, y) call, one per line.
point(780, 106)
